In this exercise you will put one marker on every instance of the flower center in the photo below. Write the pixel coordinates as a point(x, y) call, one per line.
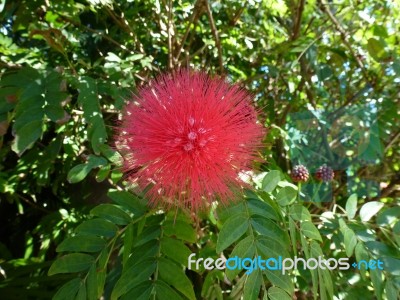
point(192, 135)
point(188, 147)
point(194, 138)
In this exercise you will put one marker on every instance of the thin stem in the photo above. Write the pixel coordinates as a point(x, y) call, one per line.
point(170, 62)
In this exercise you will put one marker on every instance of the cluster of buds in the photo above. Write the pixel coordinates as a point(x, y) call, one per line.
point(324, 173)
point(300, 173)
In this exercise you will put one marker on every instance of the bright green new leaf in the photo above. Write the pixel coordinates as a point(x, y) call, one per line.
point(286, 195)
point(370, 209)
point(351, 206)
point(271, 180)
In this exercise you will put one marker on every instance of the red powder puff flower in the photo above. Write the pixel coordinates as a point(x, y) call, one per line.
point(186, 137)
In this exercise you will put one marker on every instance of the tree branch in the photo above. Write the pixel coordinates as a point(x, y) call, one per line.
point(193, 20)
point(170, 62)
point(296, 28)
point(343, 34)
point(216, 36)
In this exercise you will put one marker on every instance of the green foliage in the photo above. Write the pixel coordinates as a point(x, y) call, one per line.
point(325, 79)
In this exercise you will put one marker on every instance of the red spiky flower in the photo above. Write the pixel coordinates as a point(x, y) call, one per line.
point(186, 137)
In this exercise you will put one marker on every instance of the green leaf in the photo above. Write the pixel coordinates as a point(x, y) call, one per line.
point(82, 292)
point(245, 248)
point(380, 31)
point(103, 173)
point(82, 243)
point(389, 216)
point(71, 263)
point(271, 180)
point(165, 292)
point(377, 282)
point(69, 290)
point(128, 243)
point(128, 201)
point(98, 227)
point(351, 206)
point(112, 155)
point(79, 172)
point(370, 209)
point(381, 249)
point(180, 229)
point(299, 213)
point(310, 231)
point(226, 212)
point(231, 231)
point(112, 213)
point(269, 247)
point(150, 249)
point(280, 280)
point(324, 73)
point(88, 99)
point(26, 136)
point(327, 279)
point(135, 57)
point(324, 276)
point(24, 117)
point(293, 235)
point(376, 48)
point(392, 293)
point(92, 283)
point(275, 293)
point(148, 234)
point(396, 67)
point(175, 249)
point(391, 265)
point(270, 229)
point(102, 270)
point(174, 275)
point(54, 112)
point(350, 239)
point(132, 276)
point(209, 283)
point(361, 254)
point(286, 195)
point(261, 208)
point(142, 291)
point(252, 285)
point(314, 273)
